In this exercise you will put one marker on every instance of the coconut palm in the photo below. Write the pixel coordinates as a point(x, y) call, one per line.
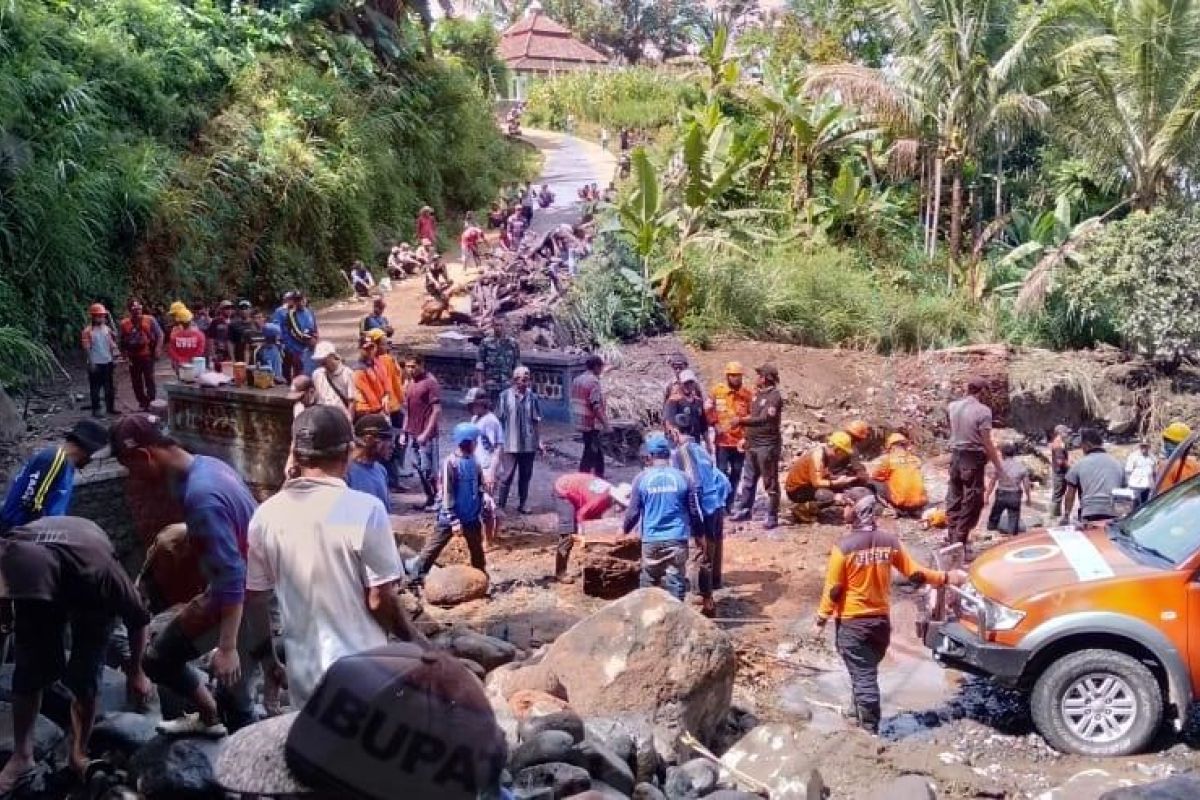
point(959, 78)
point(1128, 99)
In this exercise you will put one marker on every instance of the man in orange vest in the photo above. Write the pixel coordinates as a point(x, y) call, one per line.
point(811, 484)
point(896, 477)
point(729, 402)
point(393, 375)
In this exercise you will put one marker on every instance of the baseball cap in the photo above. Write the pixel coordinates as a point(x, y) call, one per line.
point(657, 445)
point(474, 395)
point(321, 431)
point(465, 432)
point(90, 435)
point(138, 430)
point(398, 721)
point(687, 376)
point(324, 350)
point(622, 493)
point(371, 424)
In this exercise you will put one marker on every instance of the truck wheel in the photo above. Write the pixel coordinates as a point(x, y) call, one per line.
point(1097, 703)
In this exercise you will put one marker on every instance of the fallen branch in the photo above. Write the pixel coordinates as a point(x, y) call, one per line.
point(691, 741)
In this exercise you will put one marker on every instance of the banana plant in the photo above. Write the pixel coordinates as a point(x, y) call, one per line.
point(849, 207)
point(1053, 241)
point(642, 216)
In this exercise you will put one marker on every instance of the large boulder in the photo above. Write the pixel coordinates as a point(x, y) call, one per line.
point(774, 756)
point(534, 675)
point(121, 732)
point(647, 654)
point(566, 721)
point(1176, 787)
point(178, 769)
point(544, 748)
point(457, 583)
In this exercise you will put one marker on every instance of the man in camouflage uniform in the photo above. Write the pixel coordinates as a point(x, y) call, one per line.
point(499, 355)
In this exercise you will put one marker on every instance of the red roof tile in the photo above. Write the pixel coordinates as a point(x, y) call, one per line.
point(537, 42)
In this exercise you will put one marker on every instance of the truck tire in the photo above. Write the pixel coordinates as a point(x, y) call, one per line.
point(1097, 703)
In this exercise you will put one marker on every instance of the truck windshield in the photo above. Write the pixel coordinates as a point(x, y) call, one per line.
point(1166, 527)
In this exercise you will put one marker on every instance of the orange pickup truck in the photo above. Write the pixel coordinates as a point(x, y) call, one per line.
point(1100, 623)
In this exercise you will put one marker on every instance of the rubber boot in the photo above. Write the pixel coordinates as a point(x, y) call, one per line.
point(868, 716)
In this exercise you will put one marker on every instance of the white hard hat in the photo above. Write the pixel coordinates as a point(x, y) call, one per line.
point(621, 494)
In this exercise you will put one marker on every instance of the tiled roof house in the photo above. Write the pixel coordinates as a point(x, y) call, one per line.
point(537, 45)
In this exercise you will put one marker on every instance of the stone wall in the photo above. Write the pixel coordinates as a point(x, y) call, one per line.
point(100, 496)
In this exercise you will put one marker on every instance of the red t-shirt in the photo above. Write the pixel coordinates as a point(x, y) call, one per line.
point(419, 401)
point(184, 344)
point(471, 237)
point(427, 229)
point(587, 493)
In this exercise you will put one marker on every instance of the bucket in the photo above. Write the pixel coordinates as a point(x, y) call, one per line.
point(186, 373)
point(239, 373)
point(199, 365)
point(264, 379)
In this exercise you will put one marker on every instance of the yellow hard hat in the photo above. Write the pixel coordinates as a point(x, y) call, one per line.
point(841, 441)
point(734, 368)
point(183, 315)
point(895, 438)
point(176, 307)
point(858, 429)
point(1176, 432)
point(375, 334)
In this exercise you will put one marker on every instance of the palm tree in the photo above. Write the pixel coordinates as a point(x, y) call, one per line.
point(1128, 99)
point(959, 78)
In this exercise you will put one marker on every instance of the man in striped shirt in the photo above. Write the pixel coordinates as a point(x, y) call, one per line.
point(43, 486)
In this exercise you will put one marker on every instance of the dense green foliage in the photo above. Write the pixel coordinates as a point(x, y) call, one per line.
point(629, 98)
point(190, 150)
point(959, 192)
point(474, 43)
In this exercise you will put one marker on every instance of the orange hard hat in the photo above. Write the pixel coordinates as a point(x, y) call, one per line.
point(858, 430)
point(97, 309)
point(734, 368)
point(895, 438)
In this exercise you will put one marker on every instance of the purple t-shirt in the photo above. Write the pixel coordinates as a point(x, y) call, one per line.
point(217, 507)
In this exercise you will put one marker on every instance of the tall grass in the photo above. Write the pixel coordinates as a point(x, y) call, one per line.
point(638, 97)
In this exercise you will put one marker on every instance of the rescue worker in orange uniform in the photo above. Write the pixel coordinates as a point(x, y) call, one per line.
point(392, 375)
point(855, 466)
point(810, 483)
point(1174, 435)
point(729, 402)
point(857, 594)
point(896, 477)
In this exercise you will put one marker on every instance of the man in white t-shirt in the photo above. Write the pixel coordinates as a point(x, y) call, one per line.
point(487, 453)
point(326, 551)
point(1140, 467)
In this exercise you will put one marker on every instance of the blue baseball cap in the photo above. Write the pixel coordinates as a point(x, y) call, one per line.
point(657, 445)
point(465, 432)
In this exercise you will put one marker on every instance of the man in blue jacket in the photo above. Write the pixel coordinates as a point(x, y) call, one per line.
point(666, 503)
point(713, 489)
point(43, 486)
point(460, 506)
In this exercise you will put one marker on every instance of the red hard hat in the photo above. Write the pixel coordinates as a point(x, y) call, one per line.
point(96, 308)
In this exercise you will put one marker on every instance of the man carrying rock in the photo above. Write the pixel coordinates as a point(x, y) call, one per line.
point(460, 507)
point(580, 497)
point(666, 503)
point(857, 594)
point(764, 444)
point(326, 552)
point(60, 573)
point(971, 448)
point(1092, 479)
point(217, 508)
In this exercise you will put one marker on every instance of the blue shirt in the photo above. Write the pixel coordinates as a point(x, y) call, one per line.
point(271, 357)
point(665, 501)
point(217, 508)
point(370, 478)
point(41, 489)
point(711, 484)
point(462, 491)
point(288, 321)
point(372, 322)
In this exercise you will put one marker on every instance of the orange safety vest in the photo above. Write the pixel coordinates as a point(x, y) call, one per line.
point(902, 472)
point(808, 470)
point(728, 405)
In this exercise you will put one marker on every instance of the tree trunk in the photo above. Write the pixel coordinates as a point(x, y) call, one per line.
point(956, 210)
point(999, 185)
point(936, 210)
point(769, 162)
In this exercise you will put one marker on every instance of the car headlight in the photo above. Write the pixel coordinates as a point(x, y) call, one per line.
point(991, 615)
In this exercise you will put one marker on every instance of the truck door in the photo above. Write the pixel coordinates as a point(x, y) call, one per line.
point(1179, 467)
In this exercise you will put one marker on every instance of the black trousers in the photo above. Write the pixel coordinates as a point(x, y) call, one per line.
point(1007, 506)
point(520, 466)
point(862, 643)
point(141, 375)
point(100, 379)
point(964, 497)
point(762, 463)
point(442, 534)
point(730, 461)
point(592, 459)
